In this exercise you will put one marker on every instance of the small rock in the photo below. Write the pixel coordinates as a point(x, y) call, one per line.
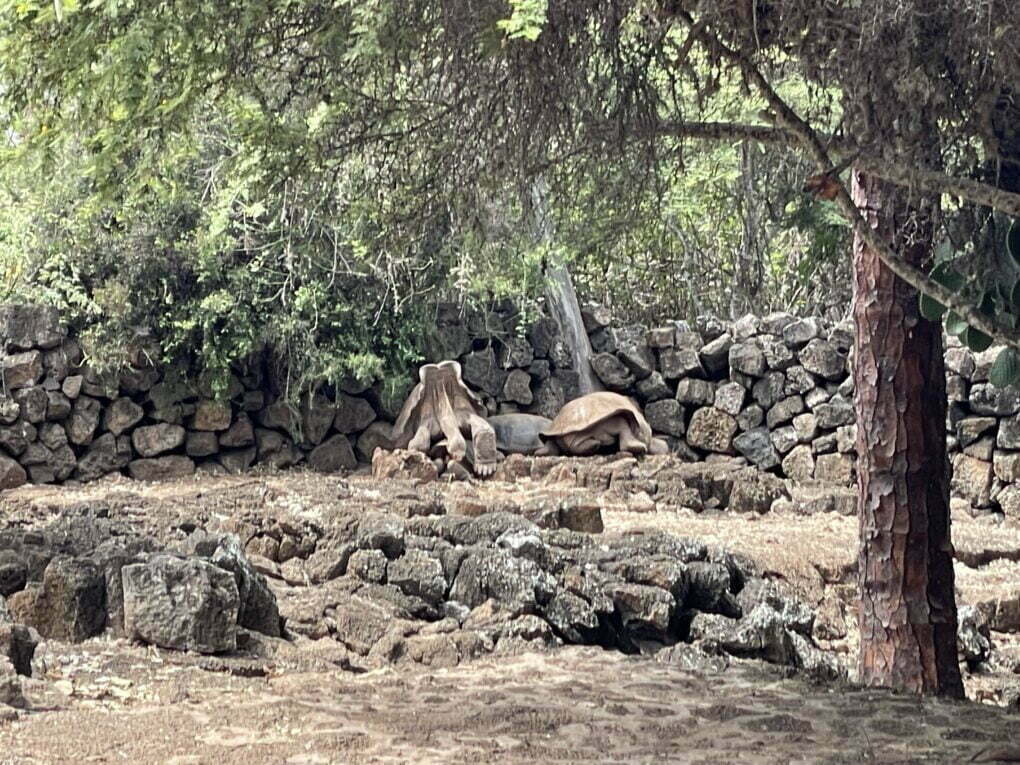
point(821, 358)
point(161, 468)
point(666, 416)
point(799, 464)
point(756, 445)
point(711, 429)
point(729, 397)
point(153, 440)
point(212, 415)
point(333, 455)
point(695, 392)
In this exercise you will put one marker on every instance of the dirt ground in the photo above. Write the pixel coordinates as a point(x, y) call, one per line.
point(110, 701)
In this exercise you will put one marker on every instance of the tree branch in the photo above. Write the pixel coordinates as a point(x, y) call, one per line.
point(920, 179)
point(790, 122)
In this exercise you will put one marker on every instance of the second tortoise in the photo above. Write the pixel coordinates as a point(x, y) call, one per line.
point(597, 421)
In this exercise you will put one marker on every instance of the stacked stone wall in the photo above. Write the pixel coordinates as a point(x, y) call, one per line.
point(774, 390)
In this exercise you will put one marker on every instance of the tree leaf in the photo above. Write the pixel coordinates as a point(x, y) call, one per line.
point(1013, 241)
point(1006, 369)
point(930, 308)
point(976, 340)
point(945, 275)
point(955, 325)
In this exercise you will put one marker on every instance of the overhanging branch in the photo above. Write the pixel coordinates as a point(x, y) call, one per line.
point(793, 125)
point(919, 179)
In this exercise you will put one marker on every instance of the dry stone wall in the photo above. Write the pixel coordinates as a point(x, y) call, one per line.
point(774, 390)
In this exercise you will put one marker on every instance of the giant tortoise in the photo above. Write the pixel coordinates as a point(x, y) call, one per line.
point(598, 420)
point(442, 405)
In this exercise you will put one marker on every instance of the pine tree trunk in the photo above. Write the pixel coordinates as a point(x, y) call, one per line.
point(907, 601)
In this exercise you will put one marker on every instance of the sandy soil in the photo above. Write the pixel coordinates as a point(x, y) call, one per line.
point(109, 701)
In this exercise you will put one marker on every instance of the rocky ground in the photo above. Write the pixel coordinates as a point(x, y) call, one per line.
point(571, 609)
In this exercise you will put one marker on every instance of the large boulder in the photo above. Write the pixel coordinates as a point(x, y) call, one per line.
point(756, 445)
point(33, 401)
point(800, 332)
point(835, 413)
point(695, 392)
point(481, 372)
point(799, 464)
point(81, 427)
point(783, 411)
point(418, 574)
point(257, 608)
point(666, 416)
point(240, 433)
point(613, 373)
point(353, 414)
point(549, 398)
point(17, 645)
point(375, 436)
point(988, 399)
point(317, 413)
point(747, 358)
point(30, 326)
point(182, 603)
point(715, 354)
point(517, 387)
point(972, 479)
point(680, 362)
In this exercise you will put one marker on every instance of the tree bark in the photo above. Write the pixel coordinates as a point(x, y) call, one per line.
point(905, 569)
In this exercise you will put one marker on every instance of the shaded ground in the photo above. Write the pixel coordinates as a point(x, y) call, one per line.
point(106, 701)
point(574, 704)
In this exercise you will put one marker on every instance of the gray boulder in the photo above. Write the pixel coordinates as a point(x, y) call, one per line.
point(820, 357)
point(613, 373)
point(182, 603)
point(333, 455)
point(756, 445)
point(30, 326)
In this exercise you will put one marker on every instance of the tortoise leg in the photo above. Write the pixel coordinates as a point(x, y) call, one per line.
point(658, 446)
point(457, 472)
point(422, 438)
point(483, 439)
point(456, 446)
point(547, 449)
point(582, 445)
point(628, 440)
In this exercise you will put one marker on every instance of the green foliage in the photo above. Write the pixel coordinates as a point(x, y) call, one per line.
point(948, 277)
point(527, 18)
point(230, 190)
point(995, 293)
point(1006, 368)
